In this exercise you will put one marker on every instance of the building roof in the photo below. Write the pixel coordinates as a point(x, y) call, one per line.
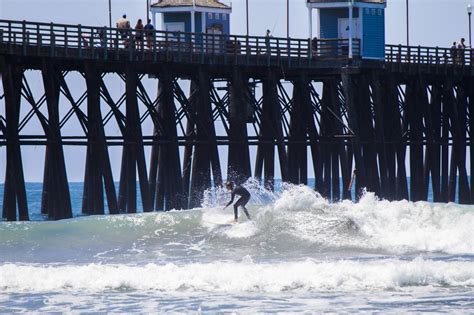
point(215, 4)
point(331, 1)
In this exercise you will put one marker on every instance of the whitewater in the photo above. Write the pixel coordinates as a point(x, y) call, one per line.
point(300, 253)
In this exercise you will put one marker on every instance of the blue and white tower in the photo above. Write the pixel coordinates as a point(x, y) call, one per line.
point(195, 16)
point(351, 19)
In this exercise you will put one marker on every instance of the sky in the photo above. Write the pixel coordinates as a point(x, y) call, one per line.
point(432, 23)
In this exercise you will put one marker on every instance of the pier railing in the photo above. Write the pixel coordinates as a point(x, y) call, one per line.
point(429, 55)
point(77, 41)
point(87, 42)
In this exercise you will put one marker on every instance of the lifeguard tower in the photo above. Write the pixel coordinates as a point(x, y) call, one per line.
point(358, 21)
point(195, 16)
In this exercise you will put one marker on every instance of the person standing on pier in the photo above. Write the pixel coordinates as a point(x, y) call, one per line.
point(453, 52)
point(243, 200)
point(314, 47)
point(149, 33)
point(461, 51)
point(123, 25)
point(139, 34)
point(267, 42)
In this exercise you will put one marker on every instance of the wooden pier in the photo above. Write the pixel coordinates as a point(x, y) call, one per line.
point(287, 97)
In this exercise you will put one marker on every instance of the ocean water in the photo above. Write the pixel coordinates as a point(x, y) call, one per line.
point(300, 253)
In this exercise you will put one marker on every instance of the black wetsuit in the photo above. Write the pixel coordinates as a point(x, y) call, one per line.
point(245, 197)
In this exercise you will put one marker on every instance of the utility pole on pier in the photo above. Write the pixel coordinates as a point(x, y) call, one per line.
point(408, 26)
point(110, 13)
point(247, 15)
point(288, 18)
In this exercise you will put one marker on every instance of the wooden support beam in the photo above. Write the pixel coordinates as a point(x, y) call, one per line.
point(387, 191)
point(444, 145)
point(414, 113)
point(271, 134)
point(238, 169)
point(337, 160)
point(270, 102)
point(459, 124)
point(57, 200)
point(470, 105)
point(434, 115)
point(301, 127)
point(326, 131)
point(316, 147)
point(14, 191)
point(135, 161)
point(367, 133)
point(169, 169)
point(205, 151)
point(350, 95)
point(396, 128)
point(98, 172)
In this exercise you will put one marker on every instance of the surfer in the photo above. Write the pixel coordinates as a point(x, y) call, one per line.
point(244, 198)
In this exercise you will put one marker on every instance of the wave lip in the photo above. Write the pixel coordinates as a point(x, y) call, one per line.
point(245, 276)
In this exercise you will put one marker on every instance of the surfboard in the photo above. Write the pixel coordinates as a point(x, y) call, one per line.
point(231, 223)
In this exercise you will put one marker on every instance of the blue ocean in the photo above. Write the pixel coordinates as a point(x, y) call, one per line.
point(300, 253)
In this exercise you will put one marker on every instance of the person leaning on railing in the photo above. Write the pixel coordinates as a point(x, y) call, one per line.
point(314, 47)
point(123, 25)
point(139, 34)
point(453, 52)
point(461, 51)
point(267, 42)
point(149, 28)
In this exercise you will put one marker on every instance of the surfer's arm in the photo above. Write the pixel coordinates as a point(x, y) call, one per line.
point(231, 200)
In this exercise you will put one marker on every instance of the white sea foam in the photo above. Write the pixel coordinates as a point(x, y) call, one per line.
point(397, 226)
point(245, 276)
